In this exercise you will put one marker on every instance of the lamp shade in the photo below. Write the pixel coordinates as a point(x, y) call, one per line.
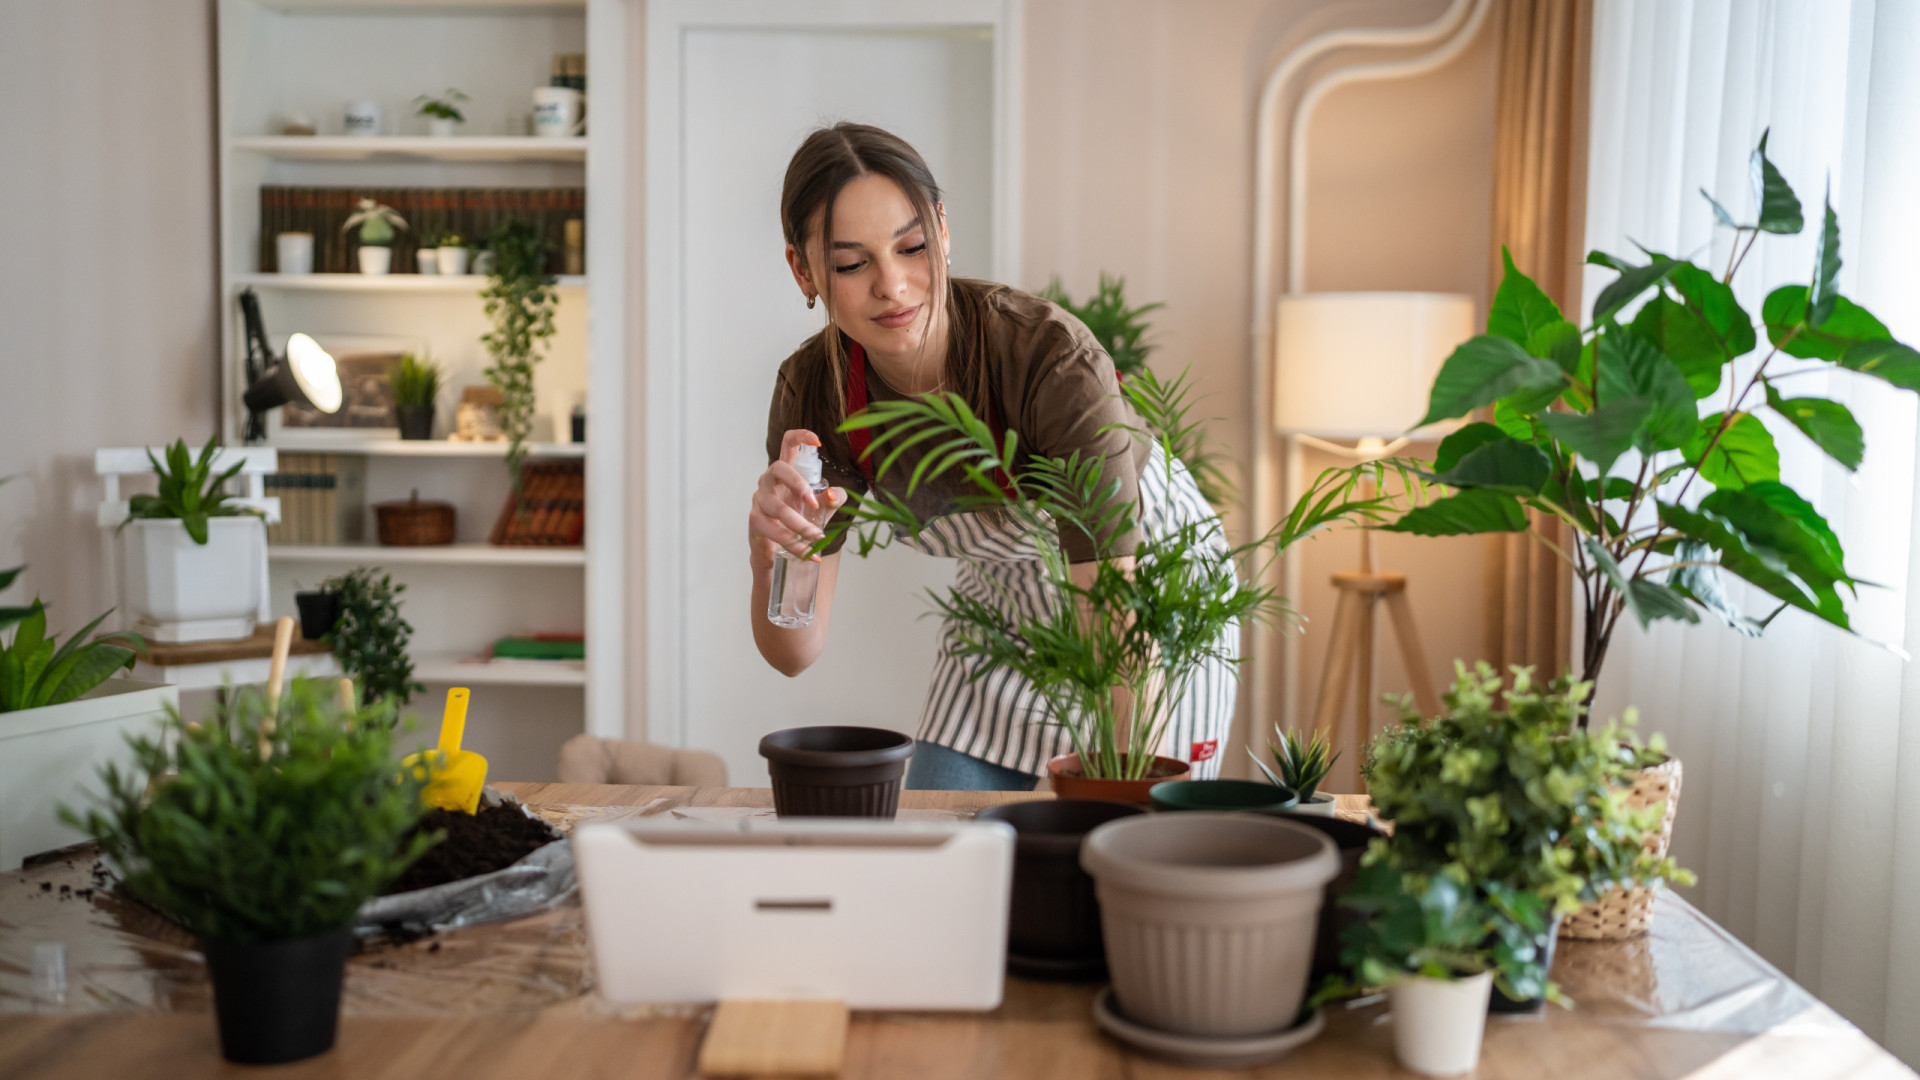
point(307, 375)
point(1358, 364)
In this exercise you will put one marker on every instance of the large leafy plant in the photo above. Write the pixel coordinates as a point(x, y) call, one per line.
point(266, 823)
point(1143, 631)
point(370, 638)
point(37, 670)
point(189, 490)
point(520, 299)
point(1601, 428)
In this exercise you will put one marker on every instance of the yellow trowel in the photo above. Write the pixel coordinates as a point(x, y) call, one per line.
point(460, 774)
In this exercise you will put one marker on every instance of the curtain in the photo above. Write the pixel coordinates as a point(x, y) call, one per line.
point(1801, 804)
point(1539, 139)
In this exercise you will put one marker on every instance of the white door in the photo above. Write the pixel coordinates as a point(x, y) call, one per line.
point(748, 96)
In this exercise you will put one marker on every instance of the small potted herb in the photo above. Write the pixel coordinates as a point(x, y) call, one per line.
point(1301, 765)
point(442, 113)
point(416, 384)
point(274, 823)
point(192, 556)
point(370, 638)
point(1439, 946)
point(452, 254)
point(377, 223)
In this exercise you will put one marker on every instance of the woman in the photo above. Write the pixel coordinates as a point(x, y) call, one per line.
point(867, 236)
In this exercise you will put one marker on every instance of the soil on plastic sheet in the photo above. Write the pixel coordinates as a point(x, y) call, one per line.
point(493, 839)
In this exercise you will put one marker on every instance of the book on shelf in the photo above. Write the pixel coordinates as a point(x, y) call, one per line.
point(549, 510)
point(430, 214)
point(321, 499)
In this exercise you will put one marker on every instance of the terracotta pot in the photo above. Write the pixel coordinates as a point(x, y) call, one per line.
point(1053, 926)
point(1068, 783)
point(1209, 918)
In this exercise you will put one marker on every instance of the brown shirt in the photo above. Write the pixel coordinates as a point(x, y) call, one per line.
point(1052, 384)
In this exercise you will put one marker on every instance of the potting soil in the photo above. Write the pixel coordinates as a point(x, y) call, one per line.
point(493, 839)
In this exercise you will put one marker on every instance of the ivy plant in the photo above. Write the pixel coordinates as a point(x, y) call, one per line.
point(520, 299)
point(370, 639)
point(1601, 427)
point(189, 490)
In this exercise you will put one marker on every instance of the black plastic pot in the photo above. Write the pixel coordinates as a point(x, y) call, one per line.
point(1053, 928)
point(416, 421)
point(1222, 795)
point(1501, 1003)
point(1352, 838)
point(278, 1001)
point(836, 771)
point(318, 612)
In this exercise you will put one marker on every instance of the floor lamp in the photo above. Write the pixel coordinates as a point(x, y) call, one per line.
point(1357, 366)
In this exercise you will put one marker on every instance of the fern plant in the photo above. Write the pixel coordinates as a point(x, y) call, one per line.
point(189, 490)
point(520, 299)
point(36, 670)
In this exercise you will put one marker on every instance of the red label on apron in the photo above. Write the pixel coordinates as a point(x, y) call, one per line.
point(1204, 751)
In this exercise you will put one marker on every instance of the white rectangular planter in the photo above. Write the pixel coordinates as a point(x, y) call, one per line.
point(178, 590)
point(53, 755)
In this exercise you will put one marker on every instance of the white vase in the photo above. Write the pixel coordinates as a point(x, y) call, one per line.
point(453, 260)
point(295, 252)
point(427, 260)
point(178, 590)
point(1437, 1023)
point(440, 127)
point(1319, 806)
point(51, 755)
point(375, 260)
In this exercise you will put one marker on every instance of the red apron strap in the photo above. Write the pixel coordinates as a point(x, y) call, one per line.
point(860, 439)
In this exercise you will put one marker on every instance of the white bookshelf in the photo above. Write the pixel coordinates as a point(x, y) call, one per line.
point(283, 57)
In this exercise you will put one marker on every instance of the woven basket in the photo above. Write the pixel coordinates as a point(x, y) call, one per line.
point(414, 523)
point(1623, 913)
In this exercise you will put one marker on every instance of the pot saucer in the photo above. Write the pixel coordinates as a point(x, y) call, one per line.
point(1214, 1051)
point(1056, 970)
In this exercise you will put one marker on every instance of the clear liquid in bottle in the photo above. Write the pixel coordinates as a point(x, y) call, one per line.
point(796, 581)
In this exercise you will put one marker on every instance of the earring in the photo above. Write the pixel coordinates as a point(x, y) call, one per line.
point(809, 303)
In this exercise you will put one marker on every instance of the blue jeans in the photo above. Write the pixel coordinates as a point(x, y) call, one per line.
point(938, 768)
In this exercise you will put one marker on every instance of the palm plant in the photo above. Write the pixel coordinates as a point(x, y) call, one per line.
point(1301, 763)
point(189, 490)
point(1143, 631)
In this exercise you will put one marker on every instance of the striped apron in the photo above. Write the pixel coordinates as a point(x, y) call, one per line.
point(997, 716)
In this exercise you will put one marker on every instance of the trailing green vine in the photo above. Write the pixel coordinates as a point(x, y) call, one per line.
point(520, 299)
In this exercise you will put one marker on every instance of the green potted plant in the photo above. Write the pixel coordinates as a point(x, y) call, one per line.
point(452, 254)
point(194, 561)
point(377, 223)
point(1301, 764)
point(1114, 656)
point(1439, 945)
point(1504, 789)
point(442, 112)
point(272, 825)
point(520, 299)
point(370, 637)
point(416, 384)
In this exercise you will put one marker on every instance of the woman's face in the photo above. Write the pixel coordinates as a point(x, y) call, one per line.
point(874, 269)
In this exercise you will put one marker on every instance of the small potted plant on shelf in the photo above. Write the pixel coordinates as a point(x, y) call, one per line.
point(452, 254)
point(1301, 765)
point(370, 637)
point(1439, 945)
point(416, 385)
point(194, 561)
point(442, 113)
point(426, 256)
point(262, 831)
point(1505, 790)
point(377, 223)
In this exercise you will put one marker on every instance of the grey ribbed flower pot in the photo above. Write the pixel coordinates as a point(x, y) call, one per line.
point(1209, 918)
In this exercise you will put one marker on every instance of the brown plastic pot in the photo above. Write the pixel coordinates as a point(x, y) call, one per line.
point(1053, 928)
point(1352, 838)
point(1068, 783)
point(836, 771)
point(1209, 918)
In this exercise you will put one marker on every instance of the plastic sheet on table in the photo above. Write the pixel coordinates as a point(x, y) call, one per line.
point(539, 881)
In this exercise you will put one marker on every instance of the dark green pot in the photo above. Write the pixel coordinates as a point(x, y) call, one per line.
point(1222, 795)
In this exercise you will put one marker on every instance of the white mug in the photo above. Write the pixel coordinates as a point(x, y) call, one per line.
point(362, 118)
point(557, 111)
point(295, 250)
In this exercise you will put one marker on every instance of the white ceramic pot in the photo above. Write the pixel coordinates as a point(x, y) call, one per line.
point(427, 260)
point(1319, 806)
point(375, 260)
point(51, 756)
point(440, 127)
point(178, 590)
point(295, 251)
point(1437, 1023)
point(453, 260)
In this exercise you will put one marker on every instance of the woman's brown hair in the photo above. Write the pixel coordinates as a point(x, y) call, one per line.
point(828, 160)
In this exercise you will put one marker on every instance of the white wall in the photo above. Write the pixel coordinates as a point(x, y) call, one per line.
point(107, 277)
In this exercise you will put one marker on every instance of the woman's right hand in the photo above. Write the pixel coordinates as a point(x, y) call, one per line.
point(785, 514)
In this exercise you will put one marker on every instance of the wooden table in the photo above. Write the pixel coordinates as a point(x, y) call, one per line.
point(1686, 1000)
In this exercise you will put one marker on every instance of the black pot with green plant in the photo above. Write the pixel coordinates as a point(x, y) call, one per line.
point(319, 611)
point(416, 384)
point(267, 828)
point(369, 637)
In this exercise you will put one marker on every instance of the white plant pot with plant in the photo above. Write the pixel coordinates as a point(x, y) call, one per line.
point(453, 254)
point(193, 564)
point(377, 223)
point(1301, 765)
point(1438, 1023)
point(443, 113)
